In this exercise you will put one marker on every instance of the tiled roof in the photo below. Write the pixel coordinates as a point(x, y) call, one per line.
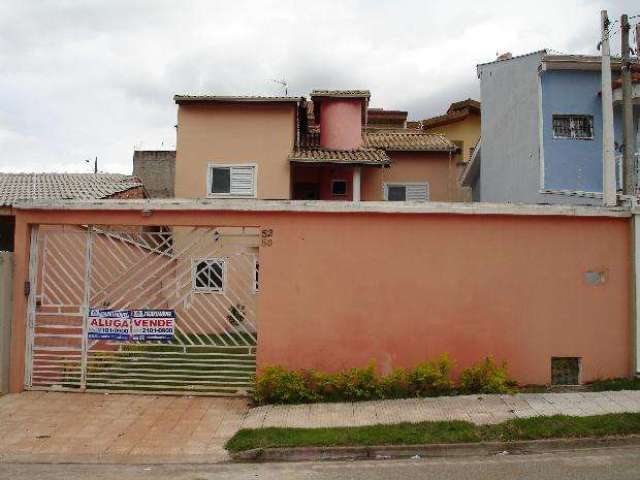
point(234, 98)
point(341, 93)
point(407, 141)
point(15, 187)
point(363, 156)
point(457, 111)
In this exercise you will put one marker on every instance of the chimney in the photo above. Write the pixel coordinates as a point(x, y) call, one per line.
point(340, 114)
point(505, 56)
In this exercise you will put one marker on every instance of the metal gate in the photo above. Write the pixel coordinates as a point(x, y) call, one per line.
point(207, 275)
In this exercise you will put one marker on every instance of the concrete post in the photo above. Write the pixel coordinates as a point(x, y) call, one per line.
point(635, 294)
point(357, 173)
point(627, 111)
point(609, 195)
point(6, 271)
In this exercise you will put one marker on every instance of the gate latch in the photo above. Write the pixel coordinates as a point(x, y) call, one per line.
point(27, 288)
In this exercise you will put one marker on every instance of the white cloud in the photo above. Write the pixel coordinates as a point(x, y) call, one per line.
point(80, 79)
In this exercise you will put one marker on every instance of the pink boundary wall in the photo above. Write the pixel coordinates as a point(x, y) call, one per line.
point(341, 289)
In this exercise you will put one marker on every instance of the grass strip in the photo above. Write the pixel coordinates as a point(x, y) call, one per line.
point(615, 384)
point(535, 428)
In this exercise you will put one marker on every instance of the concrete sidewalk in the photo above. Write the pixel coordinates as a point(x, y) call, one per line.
point(479, 409)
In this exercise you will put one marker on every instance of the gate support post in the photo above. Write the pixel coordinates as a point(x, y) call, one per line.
point(88, 254)
point(635, 293)
point(22, 242)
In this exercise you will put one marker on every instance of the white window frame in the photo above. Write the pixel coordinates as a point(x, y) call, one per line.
point(209, 185)
point(405, 184)
point(571, 117)
point(194, 268)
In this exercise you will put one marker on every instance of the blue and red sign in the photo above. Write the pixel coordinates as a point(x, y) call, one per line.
point(131, 325)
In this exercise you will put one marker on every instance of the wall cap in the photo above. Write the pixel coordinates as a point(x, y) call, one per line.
point(324, 206)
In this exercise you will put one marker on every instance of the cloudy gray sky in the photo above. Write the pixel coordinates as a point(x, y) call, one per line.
point(87, 78)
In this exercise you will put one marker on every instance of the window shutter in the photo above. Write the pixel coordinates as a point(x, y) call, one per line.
point(418, 192)
point(243, 181)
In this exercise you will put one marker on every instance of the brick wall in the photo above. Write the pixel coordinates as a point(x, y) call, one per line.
point(157, 170)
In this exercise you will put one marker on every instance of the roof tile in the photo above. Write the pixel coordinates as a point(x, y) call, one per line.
point(15, 187)
point(363, 156)
point(407, 141)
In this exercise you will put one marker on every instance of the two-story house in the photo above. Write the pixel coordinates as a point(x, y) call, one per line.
point(461, 125)
point(542, 130)
point(325, 148)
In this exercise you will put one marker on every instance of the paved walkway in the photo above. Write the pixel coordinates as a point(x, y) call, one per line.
point(90, 427)
point(57, 427)
point(479, 409)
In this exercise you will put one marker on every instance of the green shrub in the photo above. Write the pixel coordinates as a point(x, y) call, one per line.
point(358, 384)
point(395, 385)
point(431, 379)
point(278, 385)
point(486, 377)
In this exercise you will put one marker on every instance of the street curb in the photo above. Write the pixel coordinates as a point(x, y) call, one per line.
point(111, 459)
point(384, 452)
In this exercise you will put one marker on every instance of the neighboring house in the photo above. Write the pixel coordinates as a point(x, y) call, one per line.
point(17, 187)
point(333, 147)
point(542, 130)
point(461, 124)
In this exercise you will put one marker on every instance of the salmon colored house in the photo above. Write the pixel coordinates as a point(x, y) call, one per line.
point(283, 148)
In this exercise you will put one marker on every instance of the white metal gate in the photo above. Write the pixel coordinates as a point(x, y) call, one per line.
point(208, 275)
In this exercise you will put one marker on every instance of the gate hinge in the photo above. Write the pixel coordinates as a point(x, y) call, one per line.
point(27, 288)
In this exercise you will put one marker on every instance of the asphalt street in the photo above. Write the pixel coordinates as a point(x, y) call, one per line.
point(600, 464)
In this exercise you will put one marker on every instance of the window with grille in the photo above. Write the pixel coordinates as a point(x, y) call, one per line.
point(208, 275)
point(406, 192)
point(573, 126)
point(232, 181)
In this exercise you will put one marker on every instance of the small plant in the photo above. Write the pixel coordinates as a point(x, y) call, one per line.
point(358, 383)
point(431, 379)
point(486, 377)
point(278, 385)
point(236, 314)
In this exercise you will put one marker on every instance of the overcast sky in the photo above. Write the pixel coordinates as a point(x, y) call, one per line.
point(85, 78)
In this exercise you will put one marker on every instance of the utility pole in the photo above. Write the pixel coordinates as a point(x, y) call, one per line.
point(609, 196)
point(629, 167)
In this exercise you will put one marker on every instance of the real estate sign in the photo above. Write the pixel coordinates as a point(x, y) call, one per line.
point(106, 324)
point(152, 324)
point(131, 325)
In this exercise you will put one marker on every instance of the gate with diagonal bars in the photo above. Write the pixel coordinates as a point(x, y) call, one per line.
point(208, 275)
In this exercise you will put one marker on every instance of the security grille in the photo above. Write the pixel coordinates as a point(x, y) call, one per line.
point(573, 126)
point(206, 276)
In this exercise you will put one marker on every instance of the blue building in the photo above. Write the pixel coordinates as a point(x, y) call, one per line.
point(542, 130)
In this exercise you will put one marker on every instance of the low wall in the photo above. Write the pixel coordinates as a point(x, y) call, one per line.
point(343, 285)
point(6, 272)
point(341, 290)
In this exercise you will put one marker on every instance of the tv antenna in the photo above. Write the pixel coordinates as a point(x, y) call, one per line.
point(95, 164)
point(283, 83)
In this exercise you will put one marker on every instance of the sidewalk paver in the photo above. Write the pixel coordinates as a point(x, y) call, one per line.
point(92, 427)
point(479, 409)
